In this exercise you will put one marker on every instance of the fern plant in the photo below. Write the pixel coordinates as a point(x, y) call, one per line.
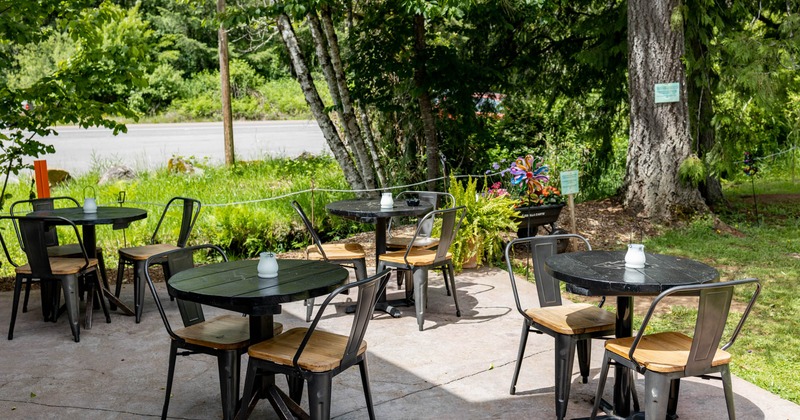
point(488, 219)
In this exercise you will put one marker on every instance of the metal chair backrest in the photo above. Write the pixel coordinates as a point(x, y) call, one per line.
point(540, 247)
point(5, 246)
point(310, 228)
point(713, 309)
point(191, 209)
point(34, 232)
point(177, 261)
point(368, 291)
point(439, 200)
point(37, 204)
point(451, 221)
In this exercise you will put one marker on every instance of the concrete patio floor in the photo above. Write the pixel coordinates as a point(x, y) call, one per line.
point(457, 368)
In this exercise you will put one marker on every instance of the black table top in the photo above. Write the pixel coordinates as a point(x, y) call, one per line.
point(369, 210)
point(235, 285)
point(604, 273)
point(120, 217)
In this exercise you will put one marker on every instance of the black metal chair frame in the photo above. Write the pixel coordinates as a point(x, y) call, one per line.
point(34, 233)
point(319, 383)
point(549, 294)
point(191, 210)
point(228, 361)
point(451, 222)
point(55, 249)
point(713, 310)
point(359, 266)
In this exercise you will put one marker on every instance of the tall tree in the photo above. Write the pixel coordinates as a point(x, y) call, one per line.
point(225, 87)
point(659, 133)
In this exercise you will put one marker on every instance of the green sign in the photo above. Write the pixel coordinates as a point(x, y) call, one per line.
point(569, 182)
point(668, 92)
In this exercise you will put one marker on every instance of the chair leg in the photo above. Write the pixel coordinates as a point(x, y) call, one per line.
point(120, 277)
point(362, 367)
point(15, 306)
point(249, 386)
point(361, 269)
point(309, 303)
point(634, 392)
point(565, 357)
point(727, 386)
point(584, 348)
point(138, 288)
point(89, 311)
point(656, 400)
point(452, 276)
point(523, 341)
point(296, 384)
point(600, 385)
point(228, 363)
point(319, 395)
point(70, 286)
point(445, 274)
point(27, 294)
point(674, 392)
point(420, 294)
point(173, 354)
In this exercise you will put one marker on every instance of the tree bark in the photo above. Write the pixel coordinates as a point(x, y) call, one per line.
point(369, 141)
point(659, 133)
point(425, 105)
point(225, 89)
point(348, 111)
point(314, 102)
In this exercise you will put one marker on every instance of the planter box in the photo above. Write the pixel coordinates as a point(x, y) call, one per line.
point(533, 217)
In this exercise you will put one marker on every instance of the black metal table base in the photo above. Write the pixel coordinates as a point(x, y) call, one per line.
point(386, 307)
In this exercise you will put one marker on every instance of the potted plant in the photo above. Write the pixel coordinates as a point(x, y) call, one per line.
point(527, 185)
point(488, 218)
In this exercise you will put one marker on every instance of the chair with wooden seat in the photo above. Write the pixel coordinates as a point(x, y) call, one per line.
point(573, 326)
point(349, 255)
point(34, 233)
point(136, 256)
point(54, 248)
point(418, 261)
point(666, 357)
point(226, 336)
point(313, 355)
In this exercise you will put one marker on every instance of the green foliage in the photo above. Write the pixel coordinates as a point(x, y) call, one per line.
point(485, 225)
point(692, 171)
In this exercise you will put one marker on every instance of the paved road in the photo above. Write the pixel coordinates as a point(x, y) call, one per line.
point(148, 146)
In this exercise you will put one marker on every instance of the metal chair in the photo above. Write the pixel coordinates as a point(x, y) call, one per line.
point(572, 326)
point(424, 240)
point(666, 357)
point(316, 356)
point(136, 256)
point(348, 255)
point(54, 248)
point(418, 261)
point(34, 233)
point(226, 337)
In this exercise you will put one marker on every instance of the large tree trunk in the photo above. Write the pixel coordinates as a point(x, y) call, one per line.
point(425, 105)
point(659, 133)
point(315, 104)
point(369, 140)
point(225, 88)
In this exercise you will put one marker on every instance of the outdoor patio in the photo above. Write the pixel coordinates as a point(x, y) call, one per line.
point(456, 368)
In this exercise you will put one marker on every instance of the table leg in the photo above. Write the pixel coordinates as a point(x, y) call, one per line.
point(90, 242)
point(383, 304)
point(622, 386)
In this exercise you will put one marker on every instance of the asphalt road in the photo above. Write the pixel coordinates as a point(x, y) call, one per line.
point(149, 146)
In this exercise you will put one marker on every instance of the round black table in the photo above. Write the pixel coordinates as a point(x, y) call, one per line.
point(370, 211)
point(235, 285)
point(603, 273)
point(118, 217)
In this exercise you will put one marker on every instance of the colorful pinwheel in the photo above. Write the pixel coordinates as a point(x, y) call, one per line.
point(530, 172)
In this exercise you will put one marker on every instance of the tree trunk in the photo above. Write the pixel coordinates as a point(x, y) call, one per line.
point(315, 104)
point(425, 105)
point(348, 111)
point(659, 133)
point(369, 140)
point(225, 89)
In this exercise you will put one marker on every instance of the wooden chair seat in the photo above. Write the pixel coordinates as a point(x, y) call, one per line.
point(336, 252)
point(416, 257)
point(61, 266)
point(141, 253)
point(323, 352)
point(401, 242)
point(226, 332)
point(579, 318)
point(662, 352)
